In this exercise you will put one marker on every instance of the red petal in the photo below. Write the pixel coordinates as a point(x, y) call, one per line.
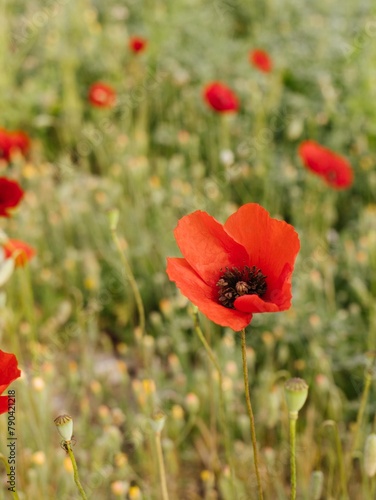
point(335, 169)
point(21, 251)
point(277, 298)
point(271, 244)
point(315, 157)
point(203, 296)
point(10, 195)
point(207, 247)
point(3, 404)
point(261, 60)
point(9, 370)
point(220, 97)
point(254, 304)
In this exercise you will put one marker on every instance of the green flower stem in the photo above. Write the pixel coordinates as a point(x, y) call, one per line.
point(224, 132)
point(222, 406)
point(186, 431)
point(68, 447)
point(372, 488)
point(133, 283)
point(362, 408)
point(5, 462)
point(250, 414)
point(161, 467)
point(293, 417)
point(340, 455)
point(27, 297)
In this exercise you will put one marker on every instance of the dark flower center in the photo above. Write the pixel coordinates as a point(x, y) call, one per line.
point(234, 283)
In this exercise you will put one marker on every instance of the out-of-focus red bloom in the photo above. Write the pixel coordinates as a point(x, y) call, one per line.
point(8, 373)
point(137, 44)
point(234, 270)
point(12, 141)
point(335, 169)
point(5, 145)
point(20, 140)
point(261, 60)
point(19, 250)
point(102, 95)
point(10, 195)
point(220, 98)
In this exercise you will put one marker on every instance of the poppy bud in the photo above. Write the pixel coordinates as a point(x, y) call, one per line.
point(296, 392)
point(64, 425)
point(157, 421)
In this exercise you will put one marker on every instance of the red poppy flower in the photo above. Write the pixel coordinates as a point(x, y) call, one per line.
point(102, 95)
point(8, 373)
point(10, 195)
point(137, 44)
point(261, 60)
point(234, 270)
point(19, 250)
point(220, 98)
point(20, 140)
point(4, 144)
point(11, 141)
point(335, 169)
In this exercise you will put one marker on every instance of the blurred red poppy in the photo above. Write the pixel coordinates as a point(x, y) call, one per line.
point(137, 44)
point(12, 141)
point(102, 95)
point(220, 98)
point(335, 169)
point(10, 195)
point(20, 140)
point(261, 60)
point(19, 250)
point(4, 144)
point(8, 373)
point(234, 270)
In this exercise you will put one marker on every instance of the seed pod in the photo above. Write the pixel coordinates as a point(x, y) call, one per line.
point(64, 425)
point(296, 391)
point(157, 421)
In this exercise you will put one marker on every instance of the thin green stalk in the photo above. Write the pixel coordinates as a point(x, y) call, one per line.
point(340, 455)
point(222, 406)
point(5, 462)
point(362, 408)
point(68, 447)
point(161, 467)
point(293, 416)
point(131, 278)
point(250, 413)
point(373, 487)
point(186, 431)
point(27, 296)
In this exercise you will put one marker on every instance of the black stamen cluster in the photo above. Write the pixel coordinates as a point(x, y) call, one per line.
point(234, 283)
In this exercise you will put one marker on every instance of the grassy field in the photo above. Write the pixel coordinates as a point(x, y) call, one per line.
point(74, 315)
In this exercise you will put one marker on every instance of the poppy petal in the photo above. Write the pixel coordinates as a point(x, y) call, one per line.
point(19, 250)
point(3, 404)
point(271, 244)
point(276, 299)
point(207, 247)
point(10, 195)
point(9, 370)
point(335, 169)
point(201, 294)
point(254, 304)
point(220, 98)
